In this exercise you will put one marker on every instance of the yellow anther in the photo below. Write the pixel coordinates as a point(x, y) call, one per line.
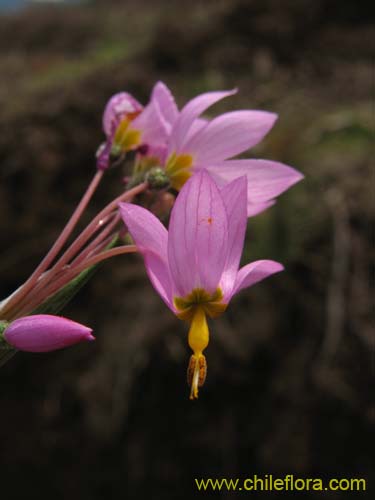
point(196, 374)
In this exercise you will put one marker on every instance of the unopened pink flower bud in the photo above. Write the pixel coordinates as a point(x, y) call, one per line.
point(43, 333)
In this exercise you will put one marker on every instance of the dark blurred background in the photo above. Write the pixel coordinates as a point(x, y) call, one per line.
point(289, 386)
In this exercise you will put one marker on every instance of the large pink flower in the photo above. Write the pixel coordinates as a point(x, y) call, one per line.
point(195, 143)
point(195, 265)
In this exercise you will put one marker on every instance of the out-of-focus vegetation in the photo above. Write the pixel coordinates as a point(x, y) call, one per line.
point(288, 389)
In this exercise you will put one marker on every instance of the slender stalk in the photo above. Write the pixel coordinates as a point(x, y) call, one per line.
point(57, 246)
point(101, 246)
point(91, 248)
point(69, 275)
point(76, 246)
point(36, 287)
point(107, 254)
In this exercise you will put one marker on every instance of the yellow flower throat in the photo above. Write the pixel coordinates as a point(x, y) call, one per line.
point(126, 138)
point(178, 169)
point(194, 308)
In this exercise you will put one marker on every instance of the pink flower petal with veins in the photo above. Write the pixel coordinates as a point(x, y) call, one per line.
point(229, 135)
point(257, 208)
point(234, 196)
point(167, 105)
point(204, 244)
point(197, 126)
point(266, 179)
point(254, 272)
point(198, 236)
point(151, 238)
point(152, 124)
point(189, 113)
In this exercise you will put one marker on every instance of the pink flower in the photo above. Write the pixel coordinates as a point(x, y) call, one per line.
point(195, 143)
point(195, 265)
point(128, 126)
point(43, 333)
point(119, 107)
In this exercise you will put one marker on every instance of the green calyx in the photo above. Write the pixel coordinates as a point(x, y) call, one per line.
point(3, 342)
point(6, 350)
point(157, 178)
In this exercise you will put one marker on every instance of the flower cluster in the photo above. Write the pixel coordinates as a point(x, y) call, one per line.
point(194, 266)
point(181, 142)
point(183, 164)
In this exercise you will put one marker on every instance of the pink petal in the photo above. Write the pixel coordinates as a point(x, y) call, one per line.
point(190, 112)
point(257, 208)
point(152, 124)
point(44, 333)
point(117, 108)
point(198, 234)
point(229, 135)
point(266, 179)
point(254, 272)
point(151, 238)
point(234, 196)
point(196, 126)
point(163, 96)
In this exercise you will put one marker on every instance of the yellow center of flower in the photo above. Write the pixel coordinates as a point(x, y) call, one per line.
point(178, 169)
point(127, 138)
point(194, 308)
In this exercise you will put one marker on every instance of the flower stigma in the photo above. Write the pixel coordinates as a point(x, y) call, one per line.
point(194, 308)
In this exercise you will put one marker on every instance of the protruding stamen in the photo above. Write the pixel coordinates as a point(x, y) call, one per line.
point(198, 341)
point(196, 373)
point(194, 308)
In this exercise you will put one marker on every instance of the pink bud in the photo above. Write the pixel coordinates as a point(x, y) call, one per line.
point(43, 333)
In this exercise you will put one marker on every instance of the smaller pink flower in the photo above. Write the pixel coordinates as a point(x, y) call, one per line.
point(195, 265)
point(130, 126)
point(120, 106)
point(44, 333)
